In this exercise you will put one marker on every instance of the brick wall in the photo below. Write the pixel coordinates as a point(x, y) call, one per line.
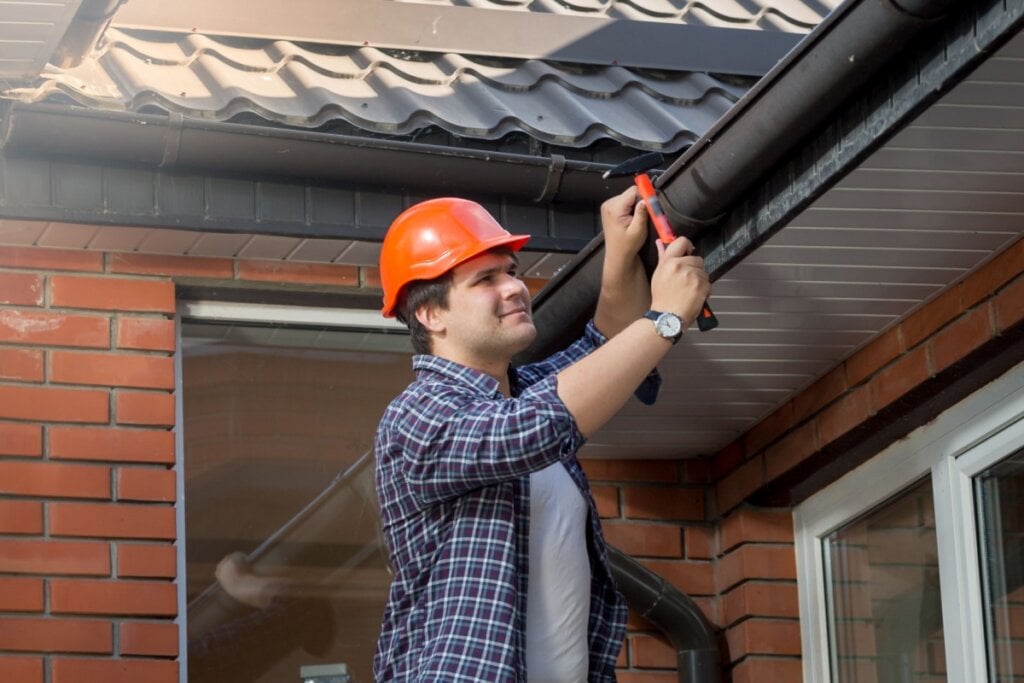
point(87, 480)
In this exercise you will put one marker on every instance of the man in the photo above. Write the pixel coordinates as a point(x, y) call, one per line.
point(501, 572)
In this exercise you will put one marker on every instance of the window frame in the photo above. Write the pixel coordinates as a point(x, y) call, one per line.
point(960, 443)
point(231, 311)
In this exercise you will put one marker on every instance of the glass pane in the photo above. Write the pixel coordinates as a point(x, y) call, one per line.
point(882, 579)
point(284, 563)
point(999, 493)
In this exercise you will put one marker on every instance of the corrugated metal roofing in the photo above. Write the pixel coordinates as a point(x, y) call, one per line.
point(391, 93)
point(784, 15)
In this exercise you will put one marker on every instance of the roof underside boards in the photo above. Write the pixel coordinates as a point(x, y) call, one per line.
point(933, 203)
point(392, 94)
point(29, 33)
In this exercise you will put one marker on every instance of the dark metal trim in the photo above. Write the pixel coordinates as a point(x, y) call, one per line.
point(475, 31)
point(174, 142)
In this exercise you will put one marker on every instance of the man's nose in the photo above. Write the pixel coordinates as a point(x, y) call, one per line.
point(512, 286)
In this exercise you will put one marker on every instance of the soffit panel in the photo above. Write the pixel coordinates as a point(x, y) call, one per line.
point(918, 215)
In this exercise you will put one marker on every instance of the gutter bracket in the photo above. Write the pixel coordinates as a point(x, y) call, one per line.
point(553, 181)
point(172, 142)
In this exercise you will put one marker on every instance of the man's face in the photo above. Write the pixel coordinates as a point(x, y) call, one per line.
point(488, 313)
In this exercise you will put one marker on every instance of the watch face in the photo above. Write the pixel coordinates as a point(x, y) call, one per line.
point(668, 325)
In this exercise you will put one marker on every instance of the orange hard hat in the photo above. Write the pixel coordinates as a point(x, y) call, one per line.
point(430, 238)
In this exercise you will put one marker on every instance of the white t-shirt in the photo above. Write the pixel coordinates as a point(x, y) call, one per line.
point(558, 598)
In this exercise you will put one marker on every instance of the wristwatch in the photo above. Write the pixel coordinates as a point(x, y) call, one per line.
point(667, 325)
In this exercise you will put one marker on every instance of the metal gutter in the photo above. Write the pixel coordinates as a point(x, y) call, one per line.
point(789, 103)
point(172, 142)
point(771, 121)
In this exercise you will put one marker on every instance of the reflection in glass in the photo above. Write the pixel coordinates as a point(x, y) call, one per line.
point(1000, 512)
point(882, 584)
point(284, 564)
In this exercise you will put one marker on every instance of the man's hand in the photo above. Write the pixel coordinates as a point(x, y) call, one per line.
point(624, 222)
point(679, 283)
point(625, 293)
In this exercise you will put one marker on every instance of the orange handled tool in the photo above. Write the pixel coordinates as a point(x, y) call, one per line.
point(639, 166)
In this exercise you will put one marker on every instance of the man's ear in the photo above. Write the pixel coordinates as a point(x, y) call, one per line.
point(430, 318)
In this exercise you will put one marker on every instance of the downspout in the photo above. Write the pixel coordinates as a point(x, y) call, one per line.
point(675, 613)
point(174, 142)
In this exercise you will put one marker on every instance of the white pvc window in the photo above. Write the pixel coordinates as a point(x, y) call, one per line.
point(910, 567)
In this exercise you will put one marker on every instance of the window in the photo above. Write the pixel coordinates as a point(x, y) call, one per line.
point(285, 571)
point(910, 566)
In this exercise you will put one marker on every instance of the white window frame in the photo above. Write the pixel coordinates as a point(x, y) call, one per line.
point(962, 442)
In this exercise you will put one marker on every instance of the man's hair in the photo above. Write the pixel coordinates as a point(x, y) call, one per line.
point(423, 293)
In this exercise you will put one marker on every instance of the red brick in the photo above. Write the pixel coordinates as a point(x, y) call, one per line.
point(764, 637)
point(696, 471)
point(753, 561)
point(122, 598)
point(145, 334)
point(21, 517)
point(630, 470)
point(769, 429)
point(144, 408)
point(994, 274)
point(68, 670)
point(21, 289)
point(962, 337)
point(607, 500)
point(23, 365)
point(894, 381)
point(792, 450)
point(815, 397)
point(112, 520)
point(46, 634)
point(370, 277)
point(692, 578)
point(759, 670)
point(51, 259)
point(72, 558)
point(112, 444)
point(21, 595)
point(873, 357)
point(760, 599)
point(924, 322)
point(54, 480)
point(734, 489)
point(652, 652)
point(644, 502)
point(728, 459)
point(755, 525)
point(146, 560)
point(644, 540)
point(53, 404)
point(112, 369)
point(21, 439)
point(111, 294)
point(143, 638)
point(148, 484)
point(189, 266)
point(844, 415)
point(699, 543)
point(18, 669)
point(299, 273)
point(1009, 305)
point(54, 329)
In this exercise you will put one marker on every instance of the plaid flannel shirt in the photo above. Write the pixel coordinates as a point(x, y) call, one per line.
point(453, 458)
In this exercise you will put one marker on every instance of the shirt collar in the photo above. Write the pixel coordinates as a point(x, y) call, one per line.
point(425, 365)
